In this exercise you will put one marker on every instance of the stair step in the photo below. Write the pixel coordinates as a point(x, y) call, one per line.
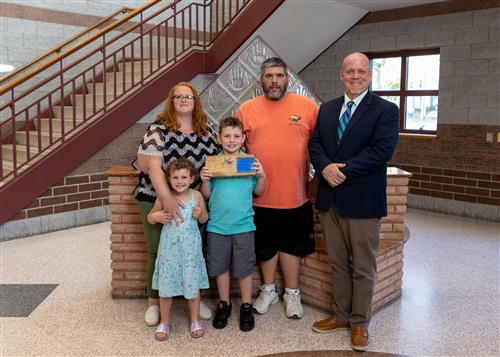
point(68, 111)
point(7, 166)
point(99, 87)
point(89, 99)
point(22, 152)
point(137, 70)
point(147, 52)
point(57, 124)
point(110, 77)
point(137, 65)
point(21, 138)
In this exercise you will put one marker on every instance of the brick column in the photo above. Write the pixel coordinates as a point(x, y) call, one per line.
point(128, 249)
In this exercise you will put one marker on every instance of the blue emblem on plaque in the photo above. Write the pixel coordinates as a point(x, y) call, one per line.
point(244, 165)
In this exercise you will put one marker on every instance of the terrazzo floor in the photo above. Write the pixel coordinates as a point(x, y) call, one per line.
point(450, 304)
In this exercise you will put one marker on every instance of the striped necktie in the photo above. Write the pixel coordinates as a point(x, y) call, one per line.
point(344, 119)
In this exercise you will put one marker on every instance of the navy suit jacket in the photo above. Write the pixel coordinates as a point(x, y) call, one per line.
point(367, 144)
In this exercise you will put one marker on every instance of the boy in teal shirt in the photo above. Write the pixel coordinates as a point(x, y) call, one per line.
point(230, 226)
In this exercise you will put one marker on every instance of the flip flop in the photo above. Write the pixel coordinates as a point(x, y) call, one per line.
point(162, 332)
point(197, 329)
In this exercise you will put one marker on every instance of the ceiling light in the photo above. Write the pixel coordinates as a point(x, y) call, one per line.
point(5, 68)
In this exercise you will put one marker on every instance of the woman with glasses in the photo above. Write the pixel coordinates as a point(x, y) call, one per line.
point(180, 130)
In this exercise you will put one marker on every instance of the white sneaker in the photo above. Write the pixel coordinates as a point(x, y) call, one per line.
point(266, 298)
point(205, 312)
point(152, 316)
point(293, 306)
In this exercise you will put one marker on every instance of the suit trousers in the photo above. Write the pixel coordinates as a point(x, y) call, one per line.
point(352, 245)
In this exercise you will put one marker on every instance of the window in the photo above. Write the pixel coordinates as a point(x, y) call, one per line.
point(410, 79)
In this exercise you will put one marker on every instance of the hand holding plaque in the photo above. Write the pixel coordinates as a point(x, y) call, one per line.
point(230, 165)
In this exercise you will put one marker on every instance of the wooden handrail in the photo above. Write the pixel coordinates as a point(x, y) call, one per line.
point(75, 48)
point(148, 64)
point(65, 43)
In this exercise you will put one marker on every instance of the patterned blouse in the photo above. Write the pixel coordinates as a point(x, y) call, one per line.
point(172, 145)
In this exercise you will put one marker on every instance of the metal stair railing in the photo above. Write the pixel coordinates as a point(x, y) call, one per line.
point(60, 47)
point(42, 109)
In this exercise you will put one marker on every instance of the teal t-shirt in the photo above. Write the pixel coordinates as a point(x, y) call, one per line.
point(230, 205)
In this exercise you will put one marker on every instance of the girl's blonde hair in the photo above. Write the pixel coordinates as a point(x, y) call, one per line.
point(168, 116)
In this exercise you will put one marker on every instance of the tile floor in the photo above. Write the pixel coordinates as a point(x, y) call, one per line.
point(450, 304)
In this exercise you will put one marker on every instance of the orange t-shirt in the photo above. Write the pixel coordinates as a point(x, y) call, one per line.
point(277, 133)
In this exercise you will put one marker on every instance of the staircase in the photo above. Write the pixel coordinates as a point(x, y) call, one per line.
point(95, 90)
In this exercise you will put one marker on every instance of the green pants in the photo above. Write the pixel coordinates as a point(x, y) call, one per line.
point(152, 234)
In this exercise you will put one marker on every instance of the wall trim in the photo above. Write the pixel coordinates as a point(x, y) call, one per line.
point(23, 228)
point(32, 13)
point(455, 208)
point(433, 9)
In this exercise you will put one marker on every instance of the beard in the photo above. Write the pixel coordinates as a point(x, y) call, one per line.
point(269, 94)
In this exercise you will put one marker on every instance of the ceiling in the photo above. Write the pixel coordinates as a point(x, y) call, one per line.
point(377, 5)
point(332, 18)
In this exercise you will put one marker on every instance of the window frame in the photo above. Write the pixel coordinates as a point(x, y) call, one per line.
point(403, 93)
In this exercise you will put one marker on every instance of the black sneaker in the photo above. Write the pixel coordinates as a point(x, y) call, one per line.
point(222, 314)
point(247, 322)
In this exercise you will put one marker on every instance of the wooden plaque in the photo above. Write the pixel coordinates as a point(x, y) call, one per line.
point(225, 165)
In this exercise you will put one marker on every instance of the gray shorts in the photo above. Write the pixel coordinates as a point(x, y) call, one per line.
point(226, 250)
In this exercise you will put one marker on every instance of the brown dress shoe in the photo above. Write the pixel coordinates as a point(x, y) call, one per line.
point(329, 325)
point(359, 338)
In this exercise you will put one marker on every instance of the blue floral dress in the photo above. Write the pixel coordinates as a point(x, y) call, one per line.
point(180, 267)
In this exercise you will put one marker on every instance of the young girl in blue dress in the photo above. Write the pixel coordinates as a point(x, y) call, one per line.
point(180, 267)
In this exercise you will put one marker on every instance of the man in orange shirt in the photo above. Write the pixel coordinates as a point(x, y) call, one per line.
point(278, 125)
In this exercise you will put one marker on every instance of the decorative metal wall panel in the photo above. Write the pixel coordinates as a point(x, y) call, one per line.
point(240, 82)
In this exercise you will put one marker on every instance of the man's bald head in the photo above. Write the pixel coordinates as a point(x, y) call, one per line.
point(355, 74)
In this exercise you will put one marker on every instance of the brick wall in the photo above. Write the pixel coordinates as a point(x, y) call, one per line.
point(455, 166)
point(69, 194)
point(458, 165)
point(128, 248)
point(456, 171)
point(468, 186)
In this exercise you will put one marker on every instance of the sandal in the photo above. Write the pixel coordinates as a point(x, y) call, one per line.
point(197, 329)
point(162, 332)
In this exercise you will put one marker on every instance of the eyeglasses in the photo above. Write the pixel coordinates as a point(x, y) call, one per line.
point(181, 97)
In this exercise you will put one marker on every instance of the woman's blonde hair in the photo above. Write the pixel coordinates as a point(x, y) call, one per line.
point(168, 116)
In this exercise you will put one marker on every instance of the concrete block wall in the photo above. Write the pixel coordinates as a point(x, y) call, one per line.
point(469, 105)
point(469, 46)
point(24, 40)
point(86, 7)
point(30, 28)
point(413, 154)
point(121, 151)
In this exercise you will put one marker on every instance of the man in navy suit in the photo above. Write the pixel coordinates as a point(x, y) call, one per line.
point(354, 138)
